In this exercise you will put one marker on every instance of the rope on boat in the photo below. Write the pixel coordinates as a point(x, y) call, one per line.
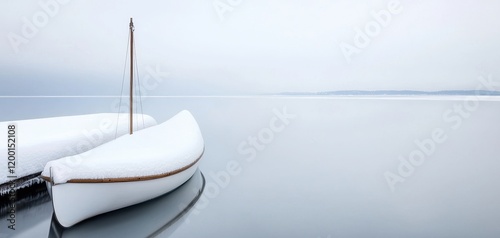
point(138, 88)
point(123, 82)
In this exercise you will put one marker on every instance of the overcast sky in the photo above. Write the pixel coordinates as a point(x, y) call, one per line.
point(236, 46)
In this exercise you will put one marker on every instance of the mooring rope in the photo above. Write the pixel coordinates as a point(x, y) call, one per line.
point(123, 82)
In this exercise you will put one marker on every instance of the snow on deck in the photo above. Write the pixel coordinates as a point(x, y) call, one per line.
point(42, 140)
point(157, 150)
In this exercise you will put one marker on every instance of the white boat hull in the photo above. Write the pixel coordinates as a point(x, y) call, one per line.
point(75, 202)
point(163, 214)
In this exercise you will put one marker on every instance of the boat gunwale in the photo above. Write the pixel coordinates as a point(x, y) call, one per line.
point(128, 179)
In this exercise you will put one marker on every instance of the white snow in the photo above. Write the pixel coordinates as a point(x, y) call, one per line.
point(156, 150)
point(42, 140)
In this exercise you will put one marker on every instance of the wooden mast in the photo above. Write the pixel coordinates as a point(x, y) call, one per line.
point(131, 73)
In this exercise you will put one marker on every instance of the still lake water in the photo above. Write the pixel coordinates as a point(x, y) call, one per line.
point(321, 166)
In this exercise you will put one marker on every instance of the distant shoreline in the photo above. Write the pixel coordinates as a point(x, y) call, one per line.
point(395, 93)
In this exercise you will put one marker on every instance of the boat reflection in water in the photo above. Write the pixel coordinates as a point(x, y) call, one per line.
point(147, 219)
point(32, 213)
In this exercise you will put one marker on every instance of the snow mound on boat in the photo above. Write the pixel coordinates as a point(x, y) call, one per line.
point(157, 150)
point(42, 140)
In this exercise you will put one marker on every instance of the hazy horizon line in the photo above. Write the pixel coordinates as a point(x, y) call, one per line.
point(349, 92)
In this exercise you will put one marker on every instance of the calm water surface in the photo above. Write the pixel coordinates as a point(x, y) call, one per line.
point(324, 167)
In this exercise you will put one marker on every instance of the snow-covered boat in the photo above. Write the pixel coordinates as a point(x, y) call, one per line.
point(44, 139)
point(129, 170)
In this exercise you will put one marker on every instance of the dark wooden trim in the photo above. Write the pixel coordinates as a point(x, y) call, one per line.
point(130, 179)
